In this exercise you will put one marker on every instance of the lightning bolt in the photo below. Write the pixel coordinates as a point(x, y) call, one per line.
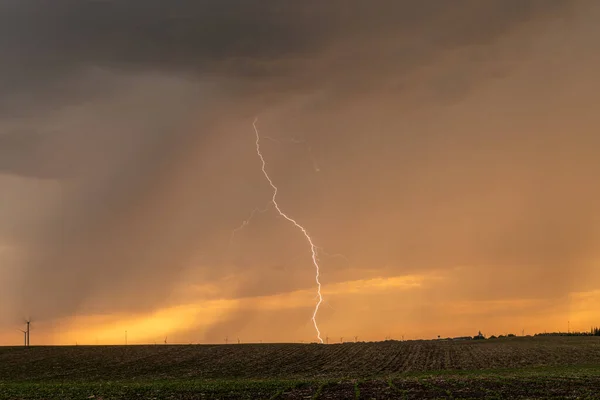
point(247, 221)
point(313, 248)
point(337, 255)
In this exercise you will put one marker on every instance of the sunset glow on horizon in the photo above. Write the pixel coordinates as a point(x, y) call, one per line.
point(363, 308)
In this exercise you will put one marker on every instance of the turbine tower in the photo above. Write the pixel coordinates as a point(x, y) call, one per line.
point(28, 322)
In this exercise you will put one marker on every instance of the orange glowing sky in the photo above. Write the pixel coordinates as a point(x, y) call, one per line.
point(442, 155)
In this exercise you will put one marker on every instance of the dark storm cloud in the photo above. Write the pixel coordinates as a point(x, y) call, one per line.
point(45, 43)
point(141, 109)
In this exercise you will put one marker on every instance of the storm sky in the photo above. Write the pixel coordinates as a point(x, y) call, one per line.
point(442, 155)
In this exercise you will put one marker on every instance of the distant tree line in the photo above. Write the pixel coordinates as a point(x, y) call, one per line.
point(594, 331)
point(502, 336)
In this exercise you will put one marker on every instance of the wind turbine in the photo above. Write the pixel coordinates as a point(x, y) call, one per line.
point(28, 322)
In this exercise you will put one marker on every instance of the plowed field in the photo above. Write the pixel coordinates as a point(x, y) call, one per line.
point(555, 367)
